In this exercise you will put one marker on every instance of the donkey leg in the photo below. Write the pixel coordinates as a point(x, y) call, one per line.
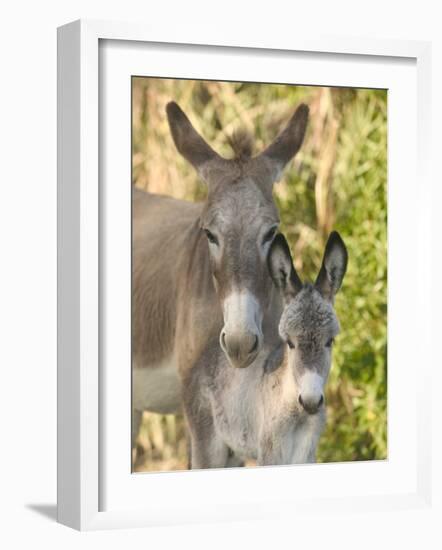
point(269, 452)
point(207, 449)
point(189, 450)
point(208, 452)
point(136, 422)
point(234, 461)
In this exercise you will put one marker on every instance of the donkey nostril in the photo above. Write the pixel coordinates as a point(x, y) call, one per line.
point(321, 401)
point(223, 340)
point(301, 402)
point(255, 345)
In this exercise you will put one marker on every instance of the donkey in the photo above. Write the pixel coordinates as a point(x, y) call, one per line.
point(199, 275)
point(273, 411)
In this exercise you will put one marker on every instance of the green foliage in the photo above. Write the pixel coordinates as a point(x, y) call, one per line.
point(337, 181)
point(357, 390)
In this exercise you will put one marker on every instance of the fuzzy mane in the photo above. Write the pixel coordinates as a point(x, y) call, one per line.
point(241, 142)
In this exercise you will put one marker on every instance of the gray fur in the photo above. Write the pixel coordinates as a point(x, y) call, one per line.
point(181, 281)
point(261, 412)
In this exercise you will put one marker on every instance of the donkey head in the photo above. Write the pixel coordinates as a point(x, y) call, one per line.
point(309, 324)
point(239, 221)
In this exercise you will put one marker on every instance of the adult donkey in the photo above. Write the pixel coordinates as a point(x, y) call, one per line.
point(200, 278)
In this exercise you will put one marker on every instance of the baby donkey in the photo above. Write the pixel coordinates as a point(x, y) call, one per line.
point(272, 411)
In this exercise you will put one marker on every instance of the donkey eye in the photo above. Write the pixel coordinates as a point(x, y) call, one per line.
point(269, 235)
point(290, 344)
point(329, 343)
point(211, 237)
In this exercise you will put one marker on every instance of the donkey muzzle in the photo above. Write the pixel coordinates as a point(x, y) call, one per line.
point(240, 349)
point(241, 337)
point(311, 406)
point(311, 392)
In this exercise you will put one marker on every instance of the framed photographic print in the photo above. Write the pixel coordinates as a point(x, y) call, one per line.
point(235, 265)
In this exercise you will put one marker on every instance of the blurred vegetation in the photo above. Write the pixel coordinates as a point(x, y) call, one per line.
point(338, 181)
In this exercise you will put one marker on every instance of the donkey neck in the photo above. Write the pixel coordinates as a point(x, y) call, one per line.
point(196, 273)
point(199, 317)
point(277, 375)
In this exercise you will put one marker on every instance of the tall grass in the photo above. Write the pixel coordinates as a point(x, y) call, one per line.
point(338, 180)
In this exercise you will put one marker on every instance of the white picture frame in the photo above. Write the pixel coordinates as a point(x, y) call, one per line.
point(80, 408)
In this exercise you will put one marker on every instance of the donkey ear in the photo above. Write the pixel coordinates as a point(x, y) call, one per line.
point(281, 268)
point(333, 268)
point(287, 144)
point(187, 140)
